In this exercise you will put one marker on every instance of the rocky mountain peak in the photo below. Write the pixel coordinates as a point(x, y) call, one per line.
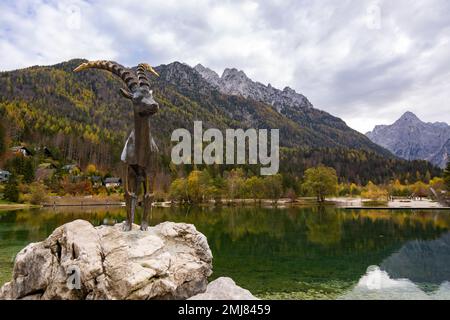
point(209, 75)
point(289, 90)
point(184, 76)
point(233, 73)
point(412, 139)
point(409, 117)
point(236, 82)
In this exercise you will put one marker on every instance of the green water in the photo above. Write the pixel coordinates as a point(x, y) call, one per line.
point(295, 253)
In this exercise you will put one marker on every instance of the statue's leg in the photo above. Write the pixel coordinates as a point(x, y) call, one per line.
point(148, 200)
point(131, 181)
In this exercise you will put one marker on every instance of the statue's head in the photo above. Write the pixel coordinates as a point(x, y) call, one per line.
point(143, 102)
point(138, 85)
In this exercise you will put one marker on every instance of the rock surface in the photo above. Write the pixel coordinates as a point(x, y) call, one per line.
point(235, 82)
point(169, 261)
point(442, 157)
point(412, 139)
point(224, 289)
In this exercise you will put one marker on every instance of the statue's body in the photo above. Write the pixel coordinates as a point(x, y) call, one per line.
point(140, 152)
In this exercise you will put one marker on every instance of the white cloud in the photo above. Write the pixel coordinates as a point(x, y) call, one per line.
point(365, 61)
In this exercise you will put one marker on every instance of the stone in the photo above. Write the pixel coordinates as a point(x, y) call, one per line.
point(224, 289)
point(169, 261)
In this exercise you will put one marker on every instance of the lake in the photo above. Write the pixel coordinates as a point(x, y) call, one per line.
point(293, 253)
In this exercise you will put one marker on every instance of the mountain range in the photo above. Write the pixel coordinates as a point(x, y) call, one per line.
point(236, 82)
point(83, 117)
point(412, 139)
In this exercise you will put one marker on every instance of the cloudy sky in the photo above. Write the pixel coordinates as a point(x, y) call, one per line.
point(365, 61)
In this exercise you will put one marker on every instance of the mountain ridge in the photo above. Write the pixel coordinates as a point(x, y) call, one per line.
point(413, 139)
point(236, 82)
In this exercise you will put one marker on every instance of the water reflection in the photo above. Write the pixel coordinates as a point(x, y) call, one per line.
point(420, 270)
point(421, 261)
point(298, 253)
point(377, 284)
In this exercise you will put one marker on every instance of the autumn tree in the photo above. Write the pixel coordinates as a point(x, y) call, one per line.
point(235, 184)
point(91, 169)
point(420, 189)
point(397, 189)
point(438, 184)
point(321, 181)
point(199, 186)
point(256, 188)
point(178, 190)
point(38, 193)
point(354, 190)
point(273, 187)
point(374, 192)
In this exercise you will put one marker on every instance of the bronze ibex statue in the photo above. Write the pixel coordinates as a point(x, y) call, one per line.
point(140, 151)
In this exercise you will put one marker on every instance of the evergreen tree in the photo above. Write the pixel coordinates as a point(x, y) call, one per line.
point(2, 139)
point(11, 192)
point(22, 166)
point(28, 170)
point(447, 176)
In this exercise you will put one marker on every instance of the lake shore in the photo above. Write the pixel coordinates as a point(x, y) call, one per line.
point(118, 200)
point(17, 206)
point(393, 204)
point(82, 201)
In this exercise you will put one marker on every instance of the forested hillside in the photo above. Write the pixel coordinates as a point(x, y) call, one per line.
point(84, 119)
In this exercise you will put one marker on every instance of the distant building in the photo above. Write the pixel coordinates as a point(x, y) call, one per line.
point(4, 175)
point(45, 151)
point(113, 182)
point(96, 181)
point(22, 150)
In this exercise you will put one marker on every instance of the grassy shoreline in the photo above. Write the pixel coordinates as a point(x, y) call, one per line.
point(6, 205)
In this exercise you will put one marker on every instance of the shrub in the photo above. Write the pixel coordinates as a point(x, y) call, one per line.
point(11, 191)
point(38, 193)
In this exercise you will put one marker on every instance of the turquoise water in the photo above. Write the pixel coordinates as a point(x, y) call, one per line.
point(295, 253)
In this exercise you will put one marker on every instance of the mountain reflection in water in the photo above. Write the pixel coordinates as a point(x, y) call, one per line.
point(293, 253)
point(420, 270)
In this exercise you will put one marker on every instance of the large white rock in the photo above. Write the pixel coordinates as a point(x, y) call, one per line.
point(224, 289)
point(169, 261)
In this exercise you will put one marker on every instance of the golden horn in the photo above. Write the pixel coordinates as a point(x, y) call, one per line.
point(81, 67)
point(150, 69)
point(113, 67)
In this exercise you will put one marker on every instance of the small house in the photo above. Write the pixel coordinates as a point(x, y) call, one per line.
point(113, 182)
point(22, 150)
point(96, 181)
point(4, 175)
point(48, 153)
